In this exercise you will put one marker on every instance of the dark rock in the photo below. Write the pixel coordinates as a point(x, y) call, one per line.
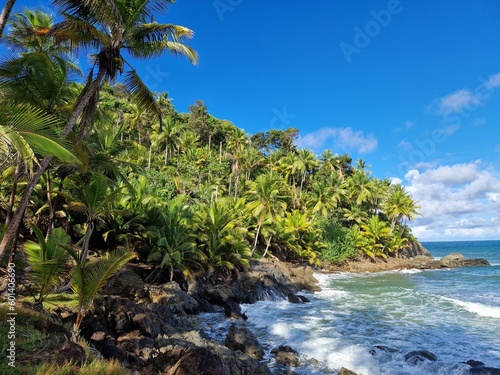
point(46, 326)
point(344, 371)
point(243, 339)
point(286, 356)
point(382, 348)
point(233, 310)
point(297, 298)
point(148, 324)
point(474, 363)
point(484, 371)
point(458, 260)
point(414, 249)
point(417, 356)
point(198, 361)
point(172, 295)
point(125, 283)
point(68, 351)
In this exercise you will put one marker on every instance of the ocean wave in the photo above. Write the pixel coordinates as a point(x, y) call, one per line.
point(480, 309)
point(410, 271)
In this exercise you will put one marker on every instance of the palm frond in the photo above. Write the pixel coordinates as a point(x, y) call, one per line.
point(141, 95)
point(90, 278)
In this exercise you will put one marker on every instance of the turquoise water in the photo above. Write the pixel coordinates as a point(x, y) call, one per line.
point(454, 314)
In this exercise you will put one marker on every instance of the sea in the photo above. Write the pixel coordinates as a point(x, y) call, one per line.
point(369, 322)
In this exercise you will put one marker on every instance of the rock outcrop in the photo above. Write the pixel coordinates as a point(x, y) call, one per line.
point(242, 339)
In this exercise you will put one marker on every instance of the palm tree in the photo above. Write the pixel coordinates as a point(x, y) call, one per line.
point(376, 235)
point(111, 27)
point(95, 200)
point(322, 198)
point(221, 233)
point(89, 278)
point(24, 133)
point(47, 260)
point(266, 201)
point(399, 205)
point(172, 244)
point(4, 16)
point(306, 163)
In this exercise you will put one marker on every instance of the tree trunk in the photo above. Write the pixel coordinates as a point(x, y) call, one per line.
point(12, 198)
point(86, 242)
point(13, 227)
point(5, 15)
point(256, 237)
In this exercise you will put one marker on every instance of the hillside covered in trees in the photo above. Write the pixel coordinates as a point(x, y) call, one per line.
point(95, 166)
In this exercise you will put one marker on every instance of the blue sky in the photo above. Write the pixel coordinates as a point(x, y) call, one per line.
point(410, 86)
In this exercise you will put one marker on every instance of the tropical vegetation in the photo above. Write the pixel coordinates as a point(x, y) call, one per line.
point(97, 170)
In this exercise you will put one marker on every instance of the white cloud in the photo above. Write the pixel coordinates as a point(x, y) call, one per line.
point(493, 82)
point(466, 99)
point(457, 202)
point(456, 102)
point(345, 139)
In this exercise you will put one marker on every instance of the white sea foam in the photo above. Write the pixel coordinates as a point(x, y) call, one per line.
point(477, 308)
point(411, 271)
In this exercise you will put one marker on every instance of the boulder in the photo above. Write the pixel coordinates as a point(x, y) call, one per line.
point(233, 310)
point(286, 356)
point(125, 283)
point(242, 339)
point(297, 298)
point(418, 356)
point(172, 295)
point(68, 351)
point(479, 368)
point(344, 371)
point(148, 324)
point(458, 260)
point(414, 249)
point(198, 361)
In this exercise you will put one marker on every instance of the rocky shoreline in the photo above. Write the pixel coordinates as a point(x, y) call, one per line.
point(153, 329)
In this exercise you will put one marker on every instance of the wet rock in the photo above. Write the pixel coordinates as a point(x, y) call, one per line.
point(418, 356)
point(479, 368)
point(286, 356)
point(233, 310)
point(474, 363)
point(297, 298)
point(344, 371)
point(382, 348)
point(244, 340)
point(484, 371)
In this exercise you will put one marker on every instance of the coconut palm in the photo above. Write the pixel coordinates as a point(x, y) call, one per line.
point(4, 16)
point(172, 244)
point(399, 205)
point(89, 278)
point(219, 227)
point(265, 201)
point(95, 200)
point(47, 259)
point(110, 27)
